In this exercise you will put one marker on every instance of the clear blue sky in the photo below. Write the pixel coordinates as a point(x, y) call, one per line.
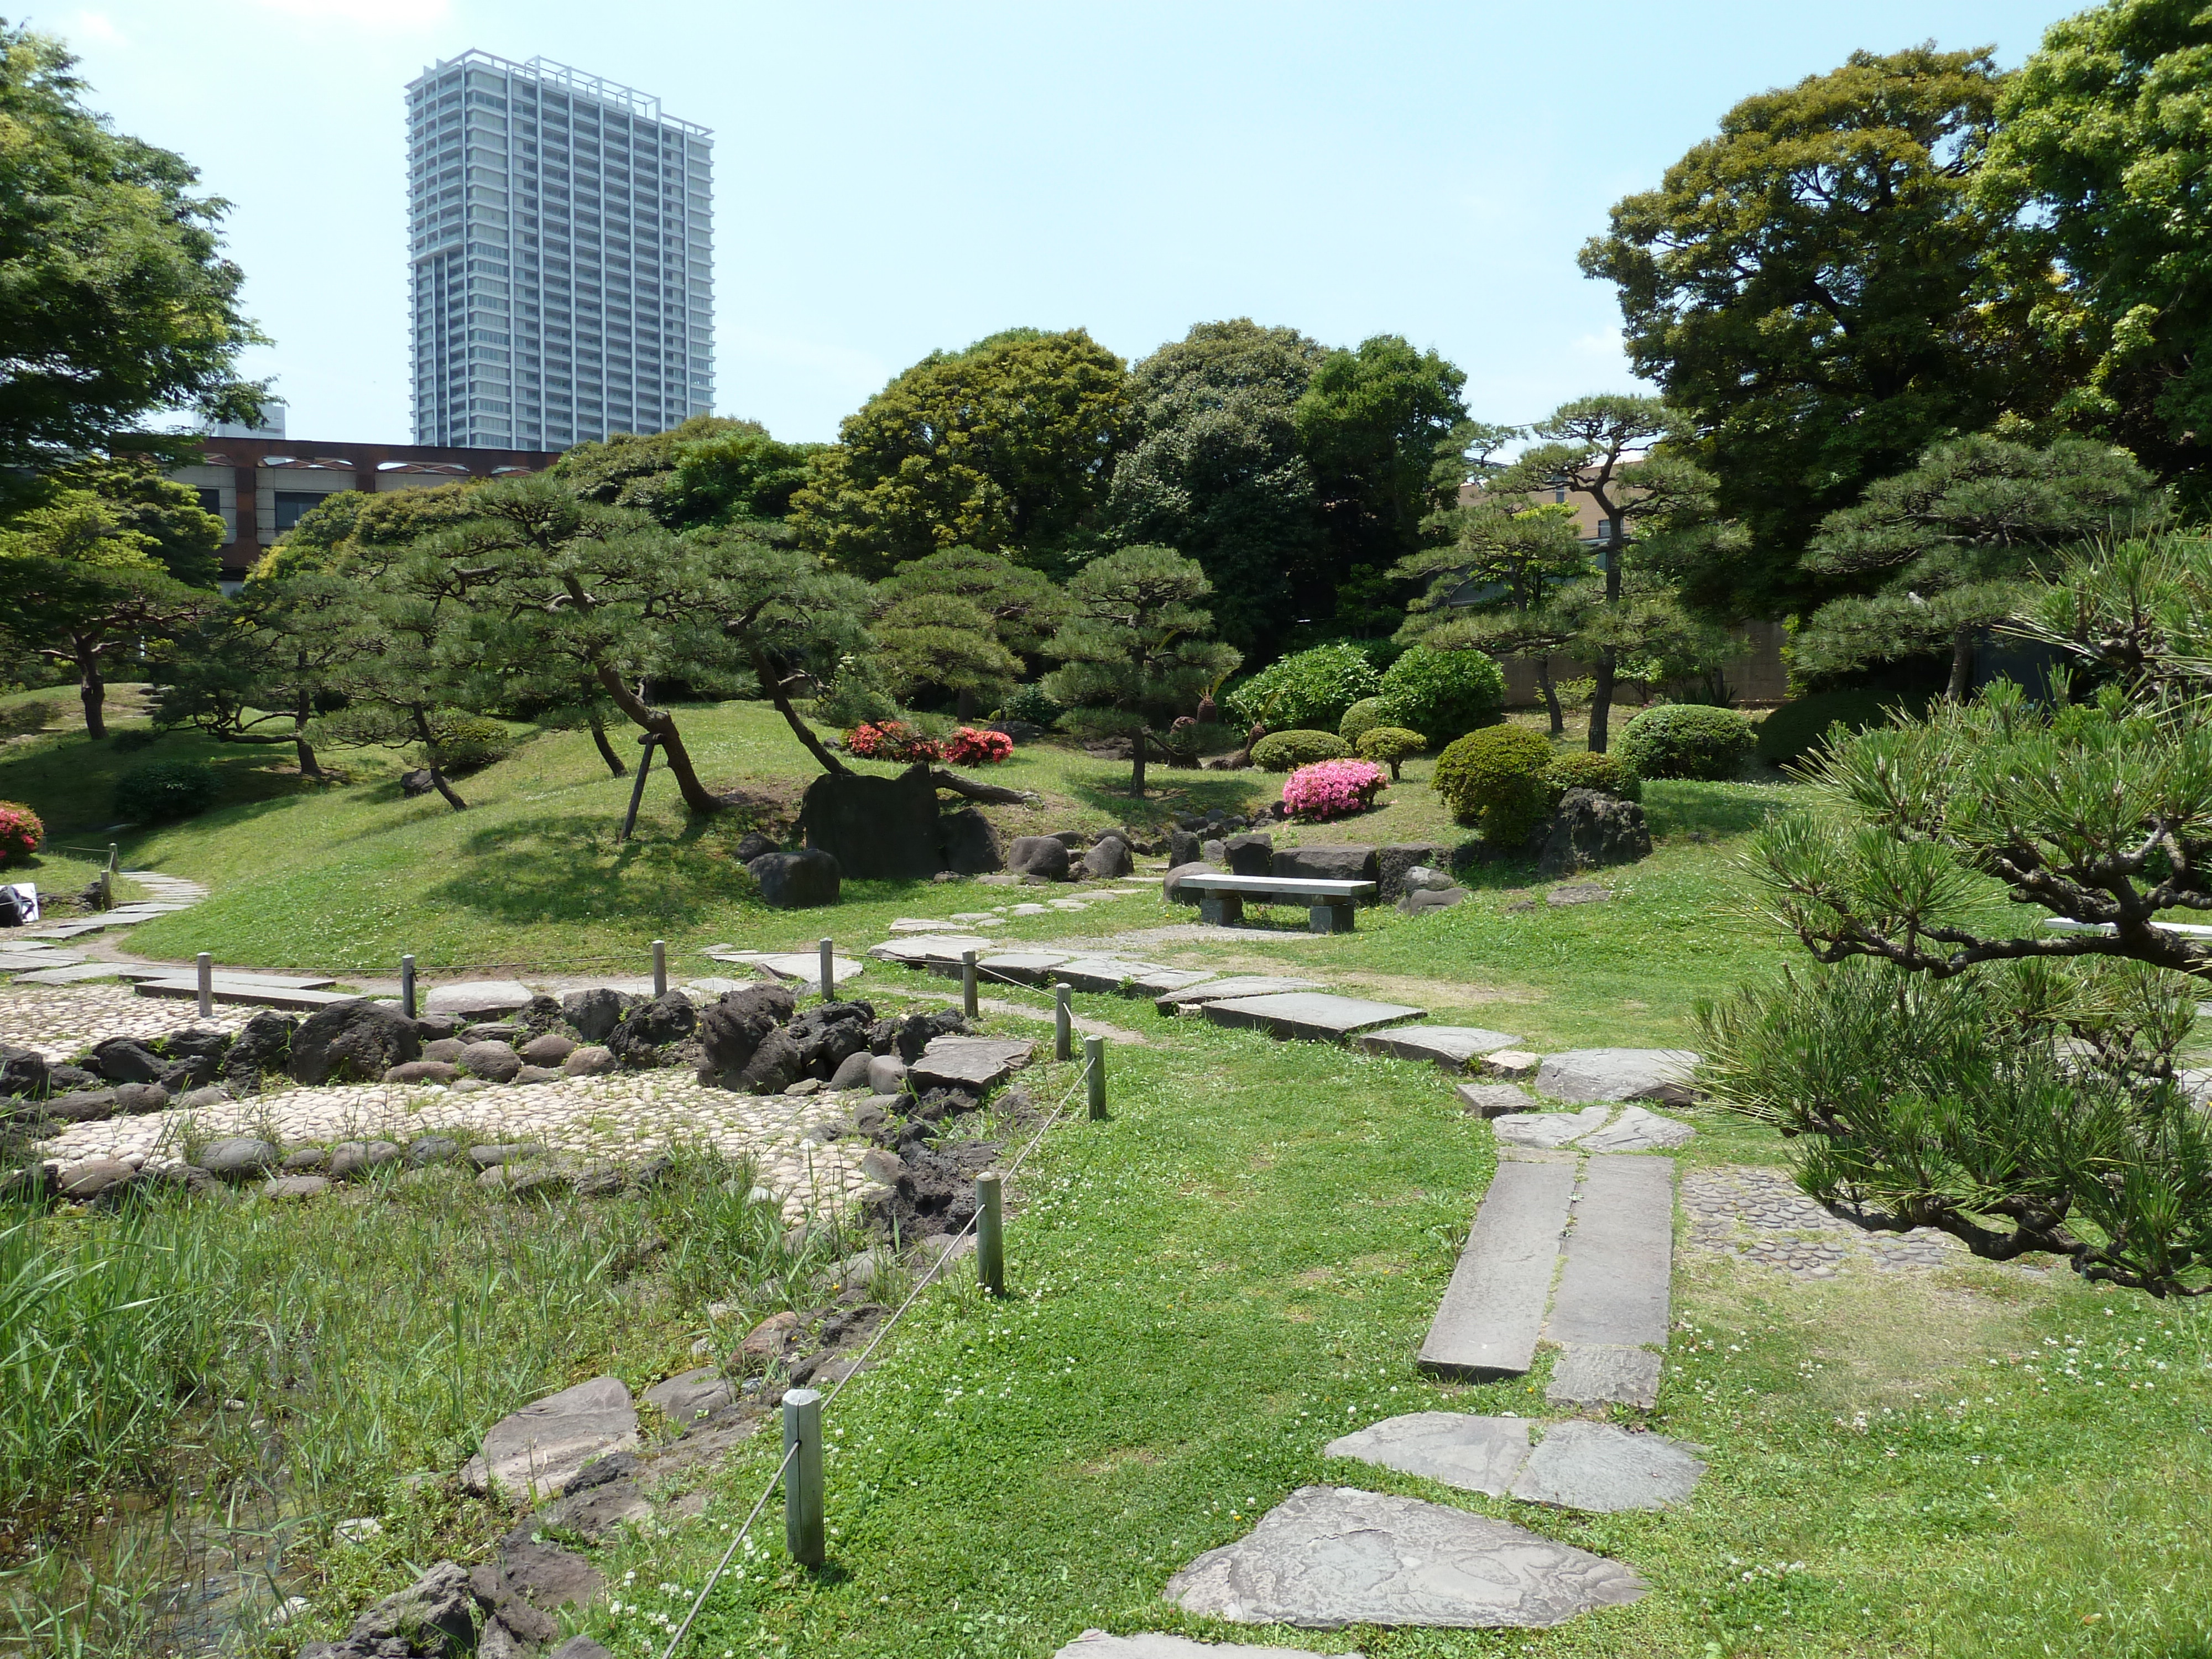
point(895, 177)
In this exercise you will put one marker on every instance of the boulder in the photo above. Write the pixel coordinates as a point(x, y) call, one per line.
point(191, 1044)
point(1109, 860)
point(536, 1451)
point(495, 1062)
point(1420, 900)
point(1655, 1074)
point(126, 1059)
point(828, 1033)
point(1183, 846)
point(1249, 855)
point(731, 1027)
point(797, 881)
point(432, 1027)
point(425, 1150)
point(550, 1049)
point(596, 1013)
point(436, 1614)
point(687, 1398)
point(1044, 857)
point(908, 1037)
point(852, 1071)
point(353, 1157)
point(63, 1077)
point(775, 1065)
point(137, 1099)
point(886, 1074)
point(1215, 850)
point(1324, 863)
point(669, 1017)
point(539, 1074)
point(264, 1044)
point(295, 1186)
point(349, 1041)
point(416, 780)
point(591, 1060)
point(238, 1158)
point(448, 1049)
point(1588, 830)
point(424, 1071)
point(877, 829)
point(971, 846)
point(1171, 884)
point(753, 846)
point(90, 1177)
point(1394, 864)
point(80, 1106)
point(482, 999)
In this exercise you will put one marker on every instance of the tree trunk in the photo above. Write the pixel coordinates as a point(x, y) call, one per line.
point(1551, 698)
point(606, 749)
point(431, 759)
point(93, 690)
point(1962, 665)
point(1601, 720)
point(963, 706)
point(995, 793)
point(662, 725)
point(303, 710)
point(1137, 771)
point(772, 682)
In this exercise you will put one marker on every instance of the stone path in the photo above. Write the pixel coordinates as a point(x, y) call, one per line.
point(1316, 1015)
point(1155, 1644)
point(60, 1020)
point(1760, 1215)
point(1601, 1468)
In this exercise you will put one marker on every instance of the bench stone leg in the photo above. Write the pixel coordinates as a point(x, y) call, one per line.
point(1225, 910)
point(1330, 918)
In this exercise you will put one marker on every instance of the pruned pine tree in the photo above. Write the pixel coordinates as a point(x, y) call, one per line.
point(962, 620)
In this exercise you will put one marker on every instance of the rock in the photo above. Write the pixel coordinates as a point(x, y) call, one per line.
point(1183, 848)
point(970, 845)
point(596, 1510)
point(539, 1074)
point(596, 1013)
point(80, 1106)
point(1488, 1100)
point(1394, 863)
point(1109, 860)
point(300, 1185)
point(1511, 1063)
point(431, 1028)
point(481, 999)
point(1249, 855)
point(887, 1074)
point(1654, 1074)
point(350, 1158)
point(775, 1066)
point(499, 1639)
point(1213, 850)
point(90, 1177)
point(305, 1162)
point(126, 1059)
point(1171, 884)
point(520, 1180)
point(495, 1062)
point(1044, 857)
point(909, 1037)
point(646, 1028)
point(534, 1452)
point(874, 829)
point(201, 1100)
point(692, 1395)
point(551, 1049)
point(434, 1615)
point(1578, 892)
point(65, 1078)
point(1597, 1373)
point(579, 1647)
point(1328, 863)
point(1475, 1454)
point(859, 1269)
point(798, 881)
point(1548, 1129)
point(416, 780)
point(1588, 830)
point(1327, 1557)
point(1604, 1469)
point(1426, 879)
point(973, 1066)
point(1450, 1048)
point(732, 1027)
point(356, 1040)
point(426, 1150)
point(447, 1048)
point(22, 1071)
point(805, 1086)
point(264, 1045)
point(829, 1033)
point(770, 1338)
point(505, 1151)
point(469, 1085)
point(591, 1060)
point(1421, 900)
point(853, 1070)
point(137, 1099)
point(238, 1158)
point(754, 845)
point(1638, 1131)
point(424, 1071)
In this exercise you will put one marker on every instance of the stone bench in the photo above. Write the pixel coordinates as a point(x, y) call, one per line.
point(1328, 903)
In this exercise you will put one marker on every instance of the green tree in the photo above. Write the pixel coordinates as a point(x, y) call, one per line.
point(711, 470)
point(253, 670)
point(1952, 542)
point(179, 533)
point(964, 621)
point(114, 299)
point(2099, 158)
point(1213, 467)
point(1132, 653)
point(1007, 446)
point(1814, 289)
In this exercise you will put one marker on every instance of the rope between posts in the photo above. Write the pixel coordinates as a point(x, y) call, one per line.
point(882, 1330)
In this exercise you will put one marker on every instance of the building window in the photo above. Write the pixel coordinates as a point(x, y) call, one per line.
point(210, 500)
point(293, 505)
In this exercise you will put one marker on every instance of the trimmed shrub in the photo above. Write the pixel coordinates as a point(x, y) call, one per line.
point(891, 740)
point(1494, 779)
point(970, 747)
point(1309, 691)
point(1286, 751)
point(467, 743)
point(24, 718)
point(1363, 716)
point(1391, 745)
point(1580, 770)
point(1332, 789)
point(1800, 725)
point(1444, 693)
point(1686, 740)
point(1028, 702)
point(158, 791)
point(21, 832)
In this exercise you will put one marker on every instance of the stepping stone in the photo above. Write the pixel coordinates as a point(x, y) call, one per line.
point(539, 1450)
point(1638, 1131)
point(237, 994)
point(75, 975)
point(804, 967)
point(1614, 1290)
point(1551, 1128)
point(479, 997)
point(1494, 1099)
point(1066, 904)
point(1157, 1644)
point(45, 956)
point(1511, 1064)
point(1022, 967)
point(1104, 974)
point(1450, 1047)
point(1031, 910)
point(235, 978)
point(1588, 1375)
point(1578, 892)
point(1493, 1312)
point(1235, 984)
point(932, 947)
point(966, 1063)
point(1326, 1557)
point(1580, 1074)
point(1475, 1454)
point(921, 925)
point(1159, 981)
point(1604, 1469)
point(1317, 1017)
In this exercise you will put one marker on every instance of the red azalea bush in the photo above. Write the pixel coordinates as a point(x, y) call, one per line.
point(21, 832)
point(1331, 789)
point(970, 747)
point(891, 740)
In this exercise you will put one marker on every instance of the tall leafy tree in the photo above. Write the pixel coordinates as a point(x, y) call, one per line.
point(1134, 653)
point(1007, 446)
point(1813, 288)
point(115, 300)
point(711, 470)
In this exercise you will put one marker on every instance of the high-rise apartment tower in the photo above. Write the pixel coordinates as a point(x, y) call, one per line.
point(562, 265)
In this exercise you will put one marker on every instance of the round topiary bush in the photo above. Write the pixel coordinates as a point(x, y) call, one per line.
point(1798, 727)
point(1443, 693)
point(1363, 716)
point(1310, 691)
point(1028, 702)
point(466, 742)
point(1581, 770)
point(1391, 745)
point(1494, 779)
point(158, 791)
point(1286, 751)
point(1686, 740)
point(21, 832)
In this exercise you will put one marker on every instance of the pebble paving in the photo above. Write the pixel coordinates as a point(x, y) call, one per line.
point(1758, 1215)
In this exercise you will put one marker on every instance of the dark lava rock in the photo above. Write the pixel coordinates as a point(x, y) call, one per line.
point(1183, 848)
point(264, 1044)
point(775, 1065)
point(80, 1106)
point(1337, 862)
point(828, 1033)
point(436, 1614)
point(596, 1013)
point(1109, 860)
point(1044, 857)
point(971, 846)
point(875, 829)
point(755, 845)
point(1588, 830)
point(798, 881)
point(1249, 855)
point(126, 1059)
point(541, 1014)
point(669, 1017)
point(1392, 862)
point(191, 1044)
point(135, 1099)
point(909, 1036)
point(731, 1027)
point(354, 1040)
point(65, 1078)
point(936, 1193)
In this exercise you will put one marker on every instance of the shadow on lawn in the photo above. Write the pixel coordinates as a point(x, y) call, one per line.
point(1674, 809)
point(1168, 793)
point(555, 869)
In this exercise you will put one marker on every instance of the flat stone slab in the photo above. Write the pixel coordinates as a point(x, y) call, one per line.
point(1493, 1312)
point(931, 947)
point(45, 957)
point(245, 993)
point(1604, 1469)
point(1149, 981)
point(1022, 967)
point(539, 1450)
point(1614, 1290)
point(76, 975)
point(1494, 1099)
point(479, 997)
point(1106, 975)
point(1330, 1556)
point(1551, 1128)
point(1234, 985)
point(1316, 1015)
point(1619, 1074)
point(1155, 1644)
point(969, 1063)
point(1475, 1454)
point(925, 925)
point(802, 966)
point(1450, 1047)
point(1588, 1375)
point(1636, 1130)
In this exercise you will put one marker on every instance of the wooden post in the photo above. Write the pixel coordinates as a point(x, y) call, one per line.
point(968, 983)
point(802, 1477)
point(637, 788)
point(108, 880)
point(1094, 1076)
point(207, 984)
point(660, 966)
point(990, 1234)
point(1063, 1024)
point(407, 987)
point(828, 972)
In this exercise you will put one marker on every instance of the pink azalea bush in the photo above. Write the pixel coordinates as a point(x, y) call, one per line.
point(21, 832)
point(970, 747)
point(891, 740)
point(1331, 789)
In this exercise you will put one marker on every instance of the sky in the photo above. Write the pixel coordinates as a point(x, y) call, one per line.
point(896, 179)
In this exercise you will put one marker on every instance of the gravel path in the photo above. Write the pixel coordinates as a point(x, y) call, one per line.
point(1758, 1215)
